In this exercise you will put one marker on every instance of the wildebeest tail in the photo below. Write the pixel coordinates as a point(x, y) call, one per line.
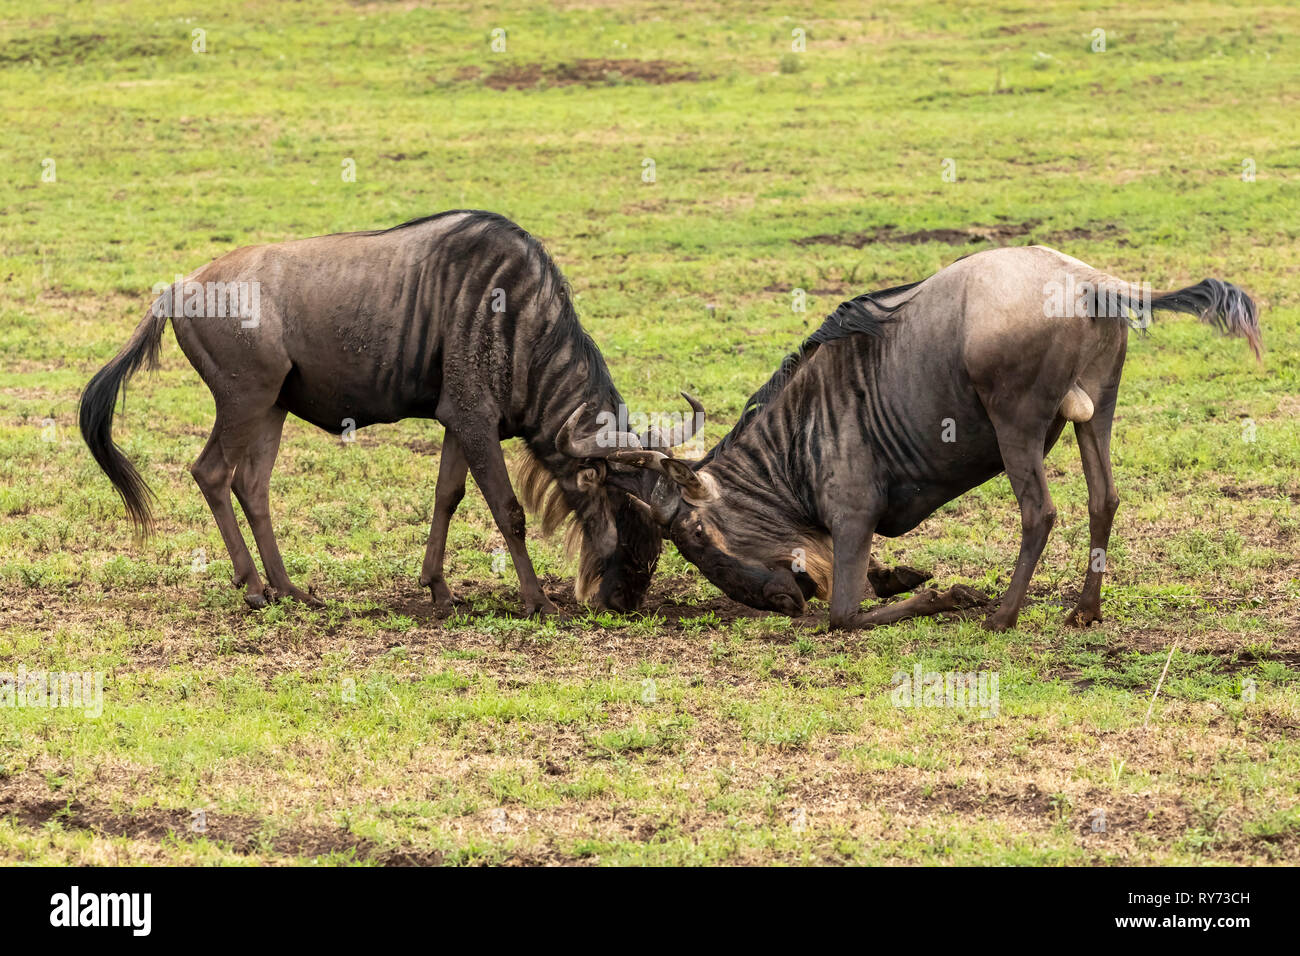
point(96, 414)
point(1219, 304)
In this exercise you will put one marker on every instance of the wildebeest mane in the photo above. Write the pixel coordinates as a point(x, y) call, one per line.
point(864, 315)
point(478, 234)
point(481, 229)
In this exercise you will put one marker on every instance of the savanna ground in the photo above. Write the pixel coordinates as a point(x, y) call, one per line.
point(695, 731)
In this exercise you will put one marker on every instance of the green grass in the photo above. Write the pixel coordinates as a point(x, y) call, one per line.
point(369, 732)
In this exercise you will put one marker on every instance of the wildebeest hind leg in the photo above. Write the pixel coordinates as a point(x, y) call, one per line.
point(214, 471)
point(452, 467)
point(1103, 501)
point(488, 466)
point(1022, 445)
point(252, 486)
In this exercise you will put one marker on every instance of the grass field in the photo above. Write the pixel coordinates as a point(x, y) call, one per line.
point(696, 731)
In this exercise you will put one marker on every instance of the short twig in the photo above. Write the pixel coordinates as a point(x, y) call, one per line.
point(1160, 682)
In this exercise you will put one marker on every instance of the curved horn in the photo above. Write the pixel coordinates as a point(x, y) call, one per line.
point(675, 437)
point(639, 458)
point(679, 482)
point(591, 446)
point(665, 499)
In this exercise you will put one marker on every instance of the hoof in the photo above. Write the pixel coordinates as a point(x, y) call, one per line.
point(299, 595)
point(443, 600)
point(965, 598)
point(887, 583)
point(997, 624)
point(445, 604)
point(542, 608)
point(445, 609)
point(1083, 617)
point(256, 600)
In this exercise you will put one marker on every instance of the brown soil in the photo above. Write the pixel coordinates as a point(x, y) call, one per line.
point(589, 72)
point(999, 234)
point(890, 235)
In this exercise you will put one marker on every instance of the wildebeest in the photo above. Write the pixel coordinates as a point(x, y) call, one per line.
point(462, 317)
point(901, 401)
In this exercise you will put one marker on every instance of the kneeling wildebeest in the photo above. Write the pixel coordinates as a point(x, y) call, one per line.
point(901, 401)
point(461, 317)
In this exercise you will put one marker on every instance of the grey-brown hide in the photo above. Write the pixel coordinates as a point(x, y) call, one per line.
point(461, 317)
point(904, 400)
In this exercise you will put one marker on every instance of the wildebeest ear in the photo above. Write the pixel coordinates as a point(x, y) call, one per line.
point(678, 470)
point(589, 479)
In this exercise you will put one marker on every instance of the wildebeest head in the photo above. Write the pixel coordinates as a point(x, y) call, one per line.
point(722, 535)
point(622, 542)
point(617, 543)
point(617, 535)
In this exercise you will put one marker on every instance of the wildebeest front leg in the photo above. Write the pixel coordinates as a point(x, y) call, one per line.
point(452, 467)
point(1103, 501)
point(928, 602)
point(886, 582)
point(488, 465)
point(1022, 456)
point(851, 541)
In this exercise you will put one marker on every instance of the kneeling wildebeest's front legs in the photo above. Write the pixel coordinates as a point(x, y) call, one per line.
point(852, 538)
point(886, 582)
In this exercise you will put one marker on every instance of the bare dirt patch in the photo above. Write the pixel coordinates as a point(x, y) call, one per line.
point(586, 72)
point(1258, 491)
point(1013, 29)
point(1092, 231)
point(423, 446)
point(890, 235)
point(999, 234)
point(76, 48)
point(661, 602)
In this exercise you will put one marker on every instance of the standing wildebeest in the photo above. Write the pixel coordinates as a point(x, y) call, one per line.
point(462, 317)
point(903, 400)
